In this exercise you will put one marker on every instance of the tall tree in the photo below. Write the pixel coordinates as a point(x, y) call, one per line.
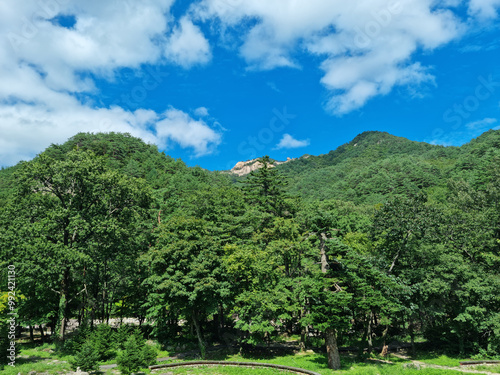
point(187, 277)
point(74, 215)
point(265, 187)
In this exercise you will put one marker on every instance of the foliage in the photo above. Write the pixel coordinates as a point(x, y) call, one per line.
point(135, 355)
point(87, 358)
point(380, 239)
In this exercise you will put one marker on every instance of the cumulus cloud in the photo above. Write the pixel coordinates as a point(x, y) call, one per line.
point(484, 8)
point(49, 71)
point(201, 112)
point(187, 45)
point(366, 46)
point(28, 129)
point(179, 127)
point(287, 141)
point(104, 37)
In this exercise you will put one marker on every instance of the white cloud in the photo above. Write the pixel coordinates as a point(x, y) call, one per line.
point(481, 124)
point(201, 112)
point(104, 37)
point(179, 127)
point(48, 85)
point(367, 46)
point(187, 45)
point(287, 141)
point(26, 130)
point(273, 86)
point(484, 8)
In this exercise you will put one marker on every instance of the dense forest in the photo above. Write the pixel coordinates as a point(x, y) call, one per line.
point(380, 239)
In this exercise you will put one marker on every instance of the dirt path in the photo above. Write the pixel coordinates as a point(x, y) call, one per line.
point(428, 365)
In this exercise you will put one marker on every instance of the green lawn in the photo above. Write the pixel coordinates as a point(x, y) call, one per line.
point(40, 358)
point(309, 361)
point(440, 359)
point(490, 368)
point(45, 359)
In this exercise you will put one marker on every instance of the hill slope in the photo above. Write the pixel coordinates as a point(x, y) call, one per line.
point(368, 170)
point(376, 165)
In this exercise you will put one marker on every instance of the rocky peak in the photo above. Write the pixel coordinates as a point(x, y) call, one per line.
point(242, 168)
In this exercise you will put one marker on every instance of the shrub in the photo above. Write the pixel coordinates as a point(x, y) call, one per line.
point(4, 343)
point(87, 358)
point(135, 355)
point(121, 336)
point(74, 344)
point(102, 339)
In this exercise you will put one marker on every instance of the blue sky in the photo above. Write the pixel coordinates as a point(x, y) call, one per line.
point(215, 82)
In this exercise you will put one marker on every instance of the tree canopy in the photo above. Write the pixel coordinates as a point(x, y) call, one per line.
point(380, 238)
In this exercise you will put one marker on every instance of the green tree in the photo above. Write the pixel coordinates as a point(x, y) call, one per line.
point(75, 216)
point(87, 358)
point(186, 274)
point(266, 270)
point(265, 187)
point(136, 354)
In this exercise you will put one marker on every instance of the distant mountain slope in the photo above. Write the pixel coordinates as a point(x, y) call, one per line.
point(129, 155)
point(376, 165)
point(368, 145)
point(367, 170)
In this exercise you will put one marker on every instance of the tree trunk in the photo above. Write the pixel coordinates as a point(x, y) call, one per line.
point(361, 348)
point(332, 349)
point(303, 339)
point(63, 305)
point(367, 335)
point(322, 248)
point(199, 334)
point(412, 336)
point(385, 349)
point(369, 332)
point(42, 333)
point(53, 324)
point(220, 322)
point(304, 332)
point(31, 333)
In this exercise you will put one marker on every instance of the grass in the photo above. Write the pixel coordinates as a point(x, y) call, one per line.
point(353, 369)
point(39, 358)
point(439, 359)
point(24, 366)
point(490, 368)
point(310, 360)
point(45, 359)
point(226, 370)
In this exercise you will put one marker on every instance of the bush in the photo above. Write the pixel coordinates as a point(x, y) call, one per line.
point(102, 339)
point(4, 343)
point(135, 355)
point(87, 358)
point(74, 344)
point(121, 336)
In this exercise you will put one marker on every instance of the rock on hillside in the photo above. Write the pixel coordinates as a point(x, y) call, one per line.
point(243, 168)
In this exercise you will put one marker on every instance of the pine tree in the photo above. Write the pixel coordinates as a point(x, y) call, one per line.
point(265, 187)
point(87, 359)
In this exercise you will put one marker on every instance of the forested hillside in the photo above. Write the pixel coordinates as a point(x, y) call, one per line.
point(381, 239)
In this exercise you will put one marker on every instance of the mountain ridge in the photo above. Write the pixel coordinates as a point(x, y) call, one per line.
point(370, 168)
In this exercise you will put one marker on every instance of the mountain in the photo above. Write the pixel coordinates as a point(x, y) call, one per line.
point(371, 168)
point(377, 165)
point(129, 155)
